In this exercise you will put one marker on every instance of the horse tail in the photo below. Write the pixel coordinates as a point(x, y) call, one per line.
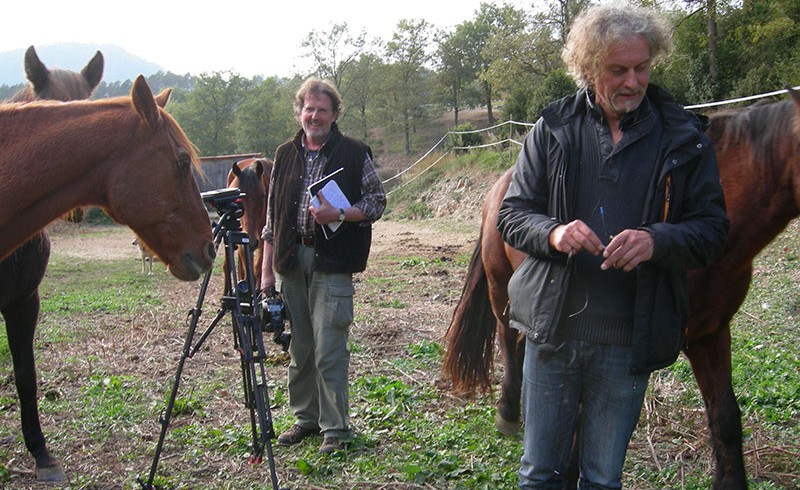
point(469, 340)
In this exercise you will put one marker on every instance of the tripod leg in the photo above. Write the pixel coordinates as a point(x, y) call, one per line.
point(265, 414)
point(249, 332)
point(256, 395)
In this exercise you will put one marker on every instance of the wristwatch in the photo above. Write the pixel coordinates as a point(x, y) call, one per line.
point(341, 215)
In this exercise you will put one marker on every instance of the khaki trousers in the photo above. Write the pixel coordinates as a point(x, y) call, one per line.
point(320, 310)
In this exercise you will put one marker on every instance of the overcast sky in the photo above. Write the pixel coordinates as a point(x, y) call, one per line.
point(249, 37)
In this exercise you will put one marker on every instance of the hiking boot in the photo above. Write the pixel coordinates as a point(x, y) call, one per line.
point(295, 434)
point(331, 444)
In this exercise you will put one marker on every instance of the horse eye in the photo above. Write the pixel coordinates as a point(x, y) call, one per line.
point(184, 161)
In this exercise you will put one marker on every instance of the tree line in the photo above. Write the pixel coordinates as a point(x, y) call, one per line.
point(504, 60)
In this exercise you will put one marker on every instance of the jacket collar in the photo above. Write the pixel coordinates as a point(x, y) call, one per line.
point(682, 123)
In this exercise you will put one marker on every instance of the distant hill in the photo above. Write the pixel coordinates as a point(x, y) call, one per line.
point(119, 64)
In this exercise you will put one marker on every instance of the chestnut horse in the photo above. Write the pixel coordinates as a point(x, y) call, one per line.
point(757, 151)
point(252, 176)
point(22, 271)
point(125, 155)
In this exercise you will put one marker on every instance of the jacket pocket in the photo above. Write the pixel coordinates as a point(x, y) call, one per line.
point(534, 291)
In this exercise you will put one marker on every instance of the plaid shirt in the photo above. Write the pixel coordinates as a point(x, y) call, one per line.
point(372, 202)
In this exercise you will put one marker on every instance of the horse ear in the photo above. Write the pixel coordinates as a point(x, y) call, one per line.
point(259, 167)
point(163, 97)
point(144, 102)
point(235, 171)
point(35, 70)
point(93, 71)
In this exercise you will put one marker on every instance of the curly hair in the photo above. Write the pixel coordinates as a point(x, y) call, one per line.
point(314, 85)
point(597, 29)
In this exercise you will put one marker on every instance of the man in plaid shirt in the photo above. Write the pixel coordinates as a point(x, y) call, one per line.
point(311, 267)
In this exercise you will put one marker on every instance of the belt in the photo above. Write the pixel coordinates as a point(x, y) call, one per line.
point(307, 240)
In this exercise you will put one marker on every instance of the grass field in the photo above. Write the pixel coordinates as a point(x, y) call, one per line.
point(110, 338)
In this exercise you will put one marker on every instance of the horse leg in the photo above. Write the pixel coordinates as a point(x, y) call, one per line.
point(511, 342)
point(512, 347)
point(21, 317)
point(710, 357)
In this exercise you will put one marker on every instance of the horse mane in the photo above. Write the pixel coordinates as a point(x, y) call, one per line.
point(173, 130)
point(22, 95)
point(763, 126)
point(63, 85)
point(248, 178)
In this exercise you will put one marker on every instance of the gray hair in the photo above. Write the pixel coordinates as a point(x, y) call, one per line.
point(314, 85)
point(598, 28)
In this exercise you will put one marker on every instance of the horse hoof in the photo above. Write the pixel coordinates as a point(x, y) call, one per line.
point(505, 427)
point(53, 473)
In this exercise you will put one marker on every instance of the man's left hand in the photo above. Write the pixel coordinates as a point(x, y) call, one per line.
point(627, 250)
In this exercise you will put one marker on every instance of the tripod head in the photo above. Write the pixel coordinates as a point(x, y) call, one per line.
point(229, 206)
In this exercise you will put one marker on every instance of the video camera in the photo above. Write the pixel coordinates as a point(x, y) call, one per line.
point(273, 318)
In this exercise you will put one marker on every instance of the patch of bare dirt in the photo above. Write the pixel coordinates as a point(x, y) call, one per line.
point(406, 296)
point(71, 240)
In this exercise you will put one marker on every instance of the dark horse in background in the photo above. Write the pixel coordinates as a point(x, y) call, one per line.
point(251, 176)
point(22, 271)
point(758, 152)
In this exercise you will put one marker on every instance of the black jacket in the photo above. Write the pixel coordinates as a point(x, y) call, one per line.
point(685, 215)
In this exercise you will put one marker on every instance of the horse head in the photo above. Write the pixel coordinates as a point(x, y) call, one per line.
point(58, 84)
point(172, 219)
point(251, 176)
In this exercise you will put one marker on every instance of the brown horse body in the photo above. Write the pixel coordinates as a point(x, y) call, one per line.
point(126, 155)
point(251, 176)
point(23, 270)
point(759, 163)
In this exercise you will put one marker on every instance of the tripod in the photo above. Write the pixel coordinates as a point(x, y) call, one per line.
point(239, 298)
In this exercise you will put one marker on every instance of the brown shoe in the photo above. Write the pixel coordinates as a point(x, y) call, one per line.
point(295, 434)
point(331, 444)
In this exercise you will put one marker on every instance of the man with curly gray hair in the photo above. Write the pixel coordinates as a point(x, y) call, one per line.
point(614, 196)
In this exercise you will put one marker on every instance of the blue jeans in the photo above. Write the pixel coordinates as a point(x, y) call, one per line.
point(579, 392)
